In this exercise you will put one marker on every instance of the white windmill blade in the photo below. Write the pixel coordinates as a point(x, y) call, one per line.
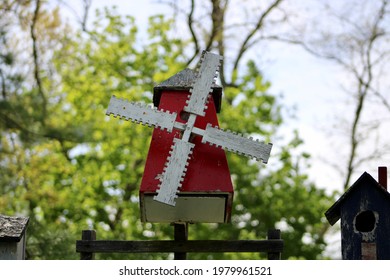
point(174, 171)
point(201, 88)
point(237, 143)
point(140, 113)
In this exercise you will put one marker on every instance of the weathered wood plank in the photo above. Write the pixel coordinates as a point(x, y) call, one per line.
point(189, 246)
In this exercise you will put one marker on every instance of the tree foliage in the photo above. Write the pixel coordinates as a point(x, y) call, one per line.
point(69, 167)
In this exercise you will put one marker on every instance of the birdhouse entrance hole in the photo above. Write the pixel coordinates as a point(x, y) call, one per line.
point(365, 221)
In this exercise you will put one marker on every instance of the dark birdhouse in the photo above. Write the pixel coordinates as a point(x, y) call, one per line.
point(364, 210)
point(12, 237)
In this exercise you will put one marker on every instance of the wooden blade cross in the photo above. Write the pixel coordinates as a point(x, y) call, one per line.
point(176, 164)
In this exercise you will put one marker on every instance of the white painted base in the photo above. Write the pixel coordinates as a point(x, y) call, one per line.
point(191, 209)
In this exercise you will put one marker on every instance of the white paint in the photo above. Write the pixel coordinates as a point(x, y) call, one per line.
point(202, 208)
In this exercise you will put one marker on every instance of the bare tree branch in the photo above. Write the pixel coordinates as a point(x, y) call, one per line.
point(190, 22)
point(217, 32)
point(363, 90)
point(36, 59)
point(384, 101)
point(87, 6)
point(359, 52)
point(3, 88)
point(221, 41)
point(80, 19)
point(245, 44)
point(11, 123)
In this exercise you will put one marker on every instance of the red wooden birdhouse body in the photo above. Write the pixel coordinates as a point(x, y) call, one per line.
point(207, 192)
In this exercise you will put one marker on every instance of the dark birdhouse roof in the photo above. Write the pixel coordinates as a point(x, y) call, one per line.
point(12, 228)
point(183, 81)
point(333, 213)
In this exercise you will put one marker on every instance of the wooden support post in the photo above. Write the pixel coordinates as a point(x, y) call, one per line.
point(274, 234)
point(180, 234)
point(88, 235)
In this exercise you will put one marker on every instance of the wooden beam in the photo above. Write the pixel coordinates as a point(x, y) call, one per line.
point(167, 246)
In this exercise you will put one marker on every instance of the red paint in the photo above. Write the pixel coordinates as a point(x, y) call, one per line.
point(208, 172)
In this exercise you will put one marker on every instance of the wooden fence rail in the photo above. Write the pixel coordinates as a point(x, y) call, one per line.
point(180, 246)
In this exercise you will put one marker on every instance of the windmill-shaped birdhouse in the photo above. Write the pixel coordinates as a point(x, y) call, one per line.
point(186, 176)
